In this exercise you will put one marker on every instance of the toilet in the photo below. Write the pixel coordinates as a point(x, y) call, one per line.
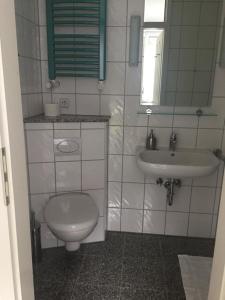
point(71, 217)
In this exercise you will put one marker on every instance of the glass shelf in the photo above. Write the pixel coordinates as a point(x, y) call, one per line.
point(198, 113)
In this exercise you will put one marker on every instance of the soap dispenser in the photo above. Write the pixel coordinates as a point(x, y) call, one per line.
point(151, 141)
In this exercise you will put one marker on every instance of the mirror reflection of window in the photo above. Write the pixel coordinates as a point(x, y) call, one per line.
point(153, 45)
point(152, 65)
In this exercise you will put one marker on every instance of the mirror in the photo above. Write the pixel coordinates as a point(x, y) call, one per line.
point(180, 41)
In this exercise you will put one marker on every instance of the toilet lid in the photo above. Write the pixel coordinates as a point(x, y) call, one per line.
point(73, 211)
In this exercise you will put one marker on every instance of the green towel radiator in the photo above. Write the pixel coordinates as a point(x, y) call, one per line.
point(76, 34)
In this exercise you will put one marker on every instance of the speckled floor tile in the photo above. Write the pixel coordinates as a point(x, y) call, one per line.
point(126, 266)
point(175, 295)
point(174, 246)
point(142, 245)
point(200, 247)
point(172, 274)
point(113, 245)
point(140, 294)
point(91, 292)
point(143, 273)
point(101, 270)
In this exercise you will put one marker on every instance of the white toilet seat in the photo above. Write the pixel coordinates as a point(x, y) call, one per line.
point(71, 212)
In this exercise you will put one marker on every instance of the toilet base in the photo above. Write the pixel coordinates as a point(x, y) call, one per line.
point(72, 246)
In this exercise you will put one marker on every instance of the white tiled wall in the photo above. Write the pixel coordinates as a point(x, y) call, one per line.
point(27, 22)
point(195, 207)
point(50, 174)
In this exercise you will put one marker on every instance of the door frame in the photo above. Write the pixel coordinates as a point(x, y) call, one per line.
point(16, 214)
point(217, 281)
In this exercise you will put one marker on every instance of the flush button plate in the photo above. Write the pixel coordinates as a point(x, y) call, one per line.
point(67, 146)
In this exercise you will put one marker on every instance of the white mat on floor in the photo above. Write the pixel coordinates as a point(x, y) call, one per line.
point(195, 271)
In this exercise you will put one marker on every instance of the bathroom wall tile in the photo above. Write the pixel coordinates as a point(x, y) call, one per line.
point(209, 139)
point(116, 44)
point(93, 125)
point(43, 43)
point(117, 12)
point(209, 13)
point(66, 126)
point(133, 137)
point(200, 225)
point(44, 76)
point(150, 179)
point(176, 223)
point(40, 146)
point(87, 86)
point(189, 37)
point(115, 78)
point(202, 200)
point(48, 240)
point(207, 35)
point(154, 222)
point(133, 195)
point(113, 105)
point(162, 136)
point(191, 12)
point(93, 174)
point(42, 12)
point(98, 234)
point(155, 197)
point(68, 176)
point(72, 105)
point(67, 85)
point(115, 140)
point(176, 13)
point(132, 106)
point(114, 194)
point(207, 181)
point(35, 105)
point(131, 220)
point(99, 198)
point(115, 168)
point(114, 219)
point(160, 121)
point(185, 121)
point(93, 146)
point(38, 203)
point(133, 80)
point(87, 104)
point(131, 172)
point(38, 126)
point(42, 178)
point(211, 122)
point(186, 138)
point(181, 201)
point(135, 8)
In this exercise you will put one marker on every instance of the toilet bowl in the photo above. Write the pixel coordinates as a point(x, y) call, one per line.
point(71, 217)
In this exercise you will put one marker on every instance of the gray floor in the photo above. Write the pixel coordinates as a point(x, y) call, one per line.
point(125, 266)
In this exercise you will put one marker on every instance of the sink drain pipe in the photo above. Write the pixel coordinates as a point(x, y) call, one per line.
point(170, 184)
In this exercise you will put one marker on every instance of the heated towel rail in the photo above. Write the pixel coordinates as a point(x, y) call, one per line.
point(76, 35)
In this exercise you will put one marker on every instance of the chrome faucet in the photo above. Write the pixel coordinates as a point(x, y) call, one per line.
point(173, 141)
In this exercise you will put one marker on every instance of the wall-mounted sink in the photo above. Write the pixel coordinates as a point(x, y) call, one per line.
point(181, 163)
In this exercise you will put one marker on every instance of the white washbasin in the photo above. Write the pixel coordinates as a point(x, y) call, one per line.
point(182, 163)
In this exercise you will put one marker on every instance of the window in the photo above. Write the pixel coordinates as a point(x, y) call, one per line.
point(154, 11)
point(153, 45)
